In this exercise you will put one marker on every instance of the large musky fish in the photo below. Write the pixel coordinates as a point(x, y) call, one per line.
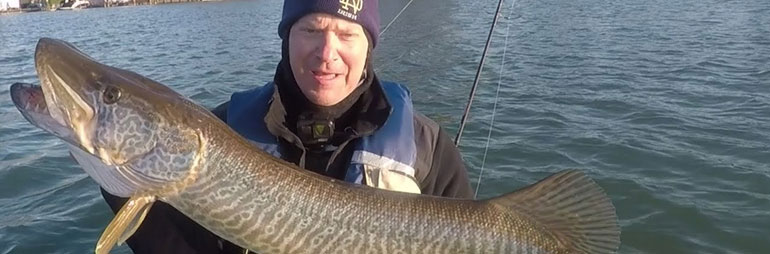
point(139, 139)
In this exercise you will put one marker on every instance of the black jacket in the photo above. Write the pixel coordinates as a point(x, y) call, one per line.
point(439, 169)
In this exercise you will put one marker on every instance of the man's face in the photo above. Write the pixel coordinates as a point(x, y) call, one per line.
point(327, 55)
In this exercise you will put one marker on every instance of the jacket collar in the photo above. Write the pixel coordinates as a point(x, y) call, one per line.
point(366, 115)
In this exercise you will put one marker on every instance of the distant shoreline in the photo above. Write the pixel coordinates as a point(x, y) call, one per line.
point(106, 4)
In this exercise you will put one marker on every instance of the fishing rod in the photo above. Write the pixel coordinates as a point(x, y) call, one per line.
point(476, 83)
point(478, 75)
point(497, 93)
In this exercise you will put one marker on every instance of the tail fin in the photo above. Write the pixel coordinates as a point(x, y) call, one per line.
point(573, 208)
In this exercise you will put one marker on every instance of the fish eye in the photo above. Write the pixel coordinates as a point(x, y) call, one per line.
point(111, 95)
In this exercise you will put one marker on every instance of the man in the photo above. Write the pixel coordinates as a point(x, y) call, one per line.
point(327, 112)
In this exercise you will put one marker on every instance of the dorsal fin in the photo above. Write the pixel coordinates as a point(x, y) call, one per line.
point(573, 208)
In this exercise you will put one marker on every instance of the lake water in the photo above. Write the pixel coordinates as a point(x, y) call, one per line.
point(665, 103)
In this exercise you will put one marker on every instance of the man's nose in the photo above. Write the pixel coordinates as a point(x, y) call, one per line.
point(328, 49)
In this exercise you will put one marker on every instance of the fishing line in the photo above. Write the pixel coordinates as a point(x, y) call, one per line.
point(478, 75)
point(476, 80)
point(391, 23)
point(394, 18)
point(497, 96)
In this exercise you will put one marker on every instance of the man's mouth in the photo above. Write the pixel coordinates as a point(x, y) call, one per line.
point(320, 75)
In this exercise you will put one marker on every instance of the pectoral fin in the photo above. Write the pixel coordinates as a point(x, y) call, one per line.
point(125, 223)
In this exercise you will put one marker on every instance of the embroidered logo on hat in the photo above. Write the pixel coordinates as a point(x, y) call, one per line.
point(350, 8)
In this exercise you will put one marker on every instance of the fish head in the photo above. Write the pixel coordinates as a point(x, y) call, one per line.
point(129, 133)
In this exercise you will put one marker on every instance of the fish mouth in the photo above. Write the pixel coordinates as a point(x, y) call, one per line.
point(30, 100)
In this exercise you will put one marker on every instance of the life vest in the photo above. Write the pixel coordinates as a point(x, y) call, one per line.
point(385, 159)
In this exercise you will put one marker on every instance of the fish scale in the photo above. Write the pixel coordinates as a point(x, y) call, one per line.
point(339, 208)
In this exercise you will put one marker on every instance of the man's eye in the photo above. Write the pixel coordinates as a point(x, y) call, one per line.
point(312, 30)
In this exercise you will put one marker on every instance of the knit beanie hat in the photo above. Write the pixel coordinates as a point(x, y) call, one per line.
point(364, 12)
